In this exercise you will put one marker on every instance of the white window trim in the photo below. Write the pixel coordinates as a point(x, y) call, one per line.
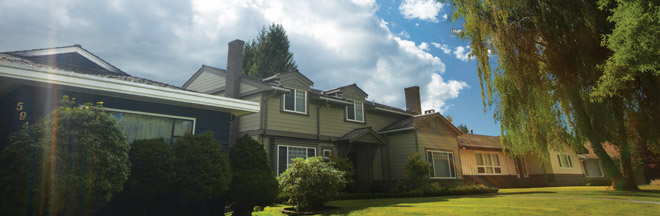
point(287, 154)
point(194, 120)
point(326, 150)
point(487, 166)
point(294, 102)
point(568, 156)
point(355, 112)
point(450, 168)
point(602, 174)
point(524, 165)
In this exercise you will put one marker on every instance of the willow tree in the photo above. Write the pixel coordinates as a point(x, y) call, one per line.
point(539, 66)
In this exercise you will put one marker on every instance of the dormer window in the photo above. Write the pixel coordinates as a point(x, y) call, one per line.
point(295, 101)
point(355, 112)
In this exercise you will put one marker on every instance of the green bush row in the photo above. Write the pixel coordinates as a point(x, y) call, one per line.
point(436, 191)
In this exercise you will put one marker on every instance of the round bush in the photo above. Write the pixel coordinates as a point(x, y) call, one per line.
point(152, 169)
point(253, 183)
point(202, 169)
point(310, 183)
point(71, 162)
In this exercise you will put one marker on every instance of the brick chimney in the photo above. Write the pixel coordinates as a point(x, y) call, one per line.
point(234, 68)
point(413, 102)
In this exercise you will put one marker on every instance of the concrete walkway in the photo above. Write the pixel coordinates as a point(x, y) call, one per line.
point(587, 198)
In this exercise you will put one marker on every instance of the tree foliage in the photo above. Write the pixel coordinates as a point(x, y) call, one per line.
point(417, 170)
point(152, 168)
point(540, 64)
point(253, 183)
point(268, 54)
point(71, 162)
point(202, 169)
point(463, 128)
point(310, 183)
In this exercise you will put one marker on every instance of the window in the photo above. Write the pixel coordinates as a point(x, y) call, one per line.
point(327, 153)
point(286, 154)
point(521, 167)
point(488, 164)
point(139, 125)
point(565, 161)
point(442, 164)
point(592, 169)
point(295, 101)
point(355, 112)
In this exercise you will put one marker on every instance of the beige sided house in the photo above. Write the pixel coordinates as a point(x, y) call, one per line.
point(297, 121)
point(485, 162)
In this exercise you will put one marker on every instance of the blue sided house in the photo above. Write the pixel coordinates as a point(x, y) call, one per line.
point(32, 82)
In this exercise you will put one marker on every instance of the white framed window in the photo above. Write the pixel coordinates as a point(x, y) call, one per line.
point(295, 101)
point(355, 112)
point(143, 125)
point(286, 154)
point(565, 161)
point(327, 153)
point(521, 167)
point(488, 164)
point(592, 169)
point(442, 164)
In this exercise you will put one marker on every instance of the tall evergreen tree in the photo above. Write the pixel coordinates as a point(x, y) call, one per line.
point(268, 54)
point(544, 82)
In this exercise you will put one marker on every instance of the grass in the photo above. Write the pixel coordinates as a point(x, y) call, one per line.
point(587, 200)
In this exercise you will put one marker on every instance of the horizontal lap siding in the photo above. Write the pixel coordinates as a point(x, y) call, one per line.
point(440, 139)
point(401, 144)
point(250, 122)
point(207, 81)
point(577, 168)
point(334, 124)
point(469, 162)
point(43, 99)
point(291, 122)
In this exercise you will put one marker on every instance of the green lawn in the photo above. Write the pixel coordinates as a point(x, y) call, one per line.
point(587, 200)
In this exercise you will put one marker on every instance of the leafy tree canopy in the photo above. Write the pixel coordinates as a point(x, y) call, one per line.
point(268, 54)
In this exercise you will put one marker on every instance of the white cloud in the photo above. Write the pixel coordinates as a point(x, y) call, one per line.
point(445, 16)
point(404, 34)
point(444, 47)
point(423, 46)
point(426, 10)
point(463, 53)
point(334, 43)
point(439, 91)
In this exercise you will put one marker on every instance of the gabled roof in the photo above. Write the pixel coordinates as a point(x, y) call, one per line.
point(70, 58)
point(479, 141)
point(415, 122)
point(357, 134)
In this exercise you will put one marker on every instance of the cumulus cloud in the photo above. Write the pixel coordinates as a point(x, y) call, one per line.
point(444, 47)
point(426, 10)
point(439, 91)
point(462, 53)
point(334, 42)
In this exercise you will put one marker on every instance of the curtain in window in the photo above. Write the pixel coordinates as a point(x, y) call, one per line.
point(592, 169)
point(301, 97)
point(358, 111)
point(442, 164)
point(137, 126)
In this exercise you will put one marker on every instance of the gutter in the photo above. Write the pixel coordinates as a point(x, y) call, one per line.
point(392, 111)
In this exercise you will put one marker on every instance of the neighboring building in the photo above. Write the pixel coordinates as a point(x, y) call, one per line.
point(594, 172)
point(485, 162)
point(297, 120)
point(32, 82)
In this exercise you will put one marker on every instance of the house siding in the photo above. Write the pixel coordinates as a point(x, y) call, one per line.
point(469, 162)
point(207, 81)
point(42, 101)
point(577, 168)
point(251, 121)
point(290, 122)
point(401, 144)
point(439, 138)
point(334, 123)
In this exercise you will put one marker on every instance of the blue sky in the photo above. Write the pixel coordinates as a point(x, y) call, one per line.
point(382, 46)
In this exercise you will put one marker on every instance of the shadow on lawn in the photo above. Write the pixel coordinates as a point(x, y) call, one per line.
point(528, 192)
point(348, 206)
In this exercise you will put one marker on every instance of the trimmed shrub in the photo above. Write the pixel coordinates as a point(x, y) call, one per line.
point(434, 190)
point(202, 172)
point(253, 183)
point(345, 165)
point(310, 183)
point(417, 170)
point(71, 162)
point(152, 171)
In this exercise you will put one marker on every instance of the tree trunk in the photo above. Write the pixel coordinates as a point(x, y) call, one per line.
point(628, 179)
